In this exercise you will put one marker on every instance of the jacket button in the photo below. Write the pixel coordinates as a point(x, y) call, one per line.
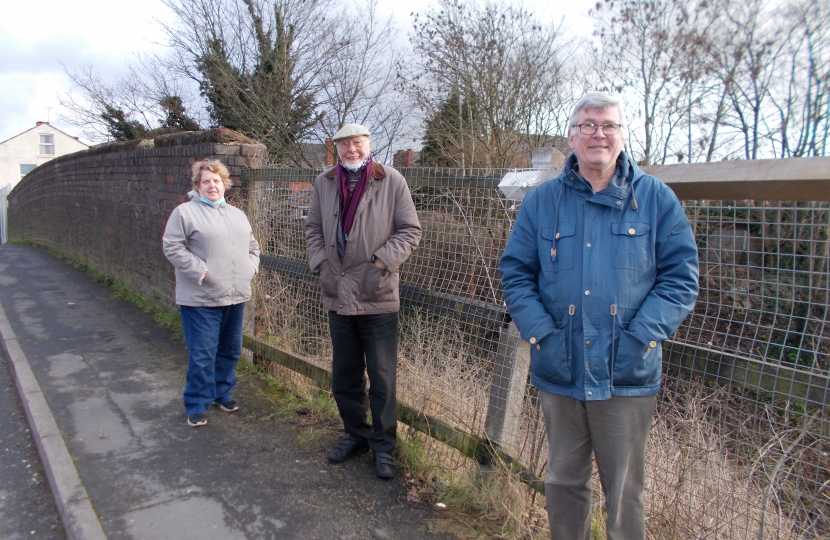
point(533, 341)
point(631, 231)
point(587, 343)
point(588, 244)
point(342, 273)
point(557, 236)
point(538, 347)
point(618, 203)
point(652, 344)
point(340, 306)
point(587, 293)
point(590, 394)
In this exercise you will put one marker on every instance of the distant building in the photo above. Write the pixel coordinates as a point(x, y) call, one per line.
point(20, 154)
point(405, 158)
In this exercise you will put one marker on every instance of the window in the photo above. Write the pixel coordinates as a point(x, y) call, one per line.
point(47, 145)
point(26, 168)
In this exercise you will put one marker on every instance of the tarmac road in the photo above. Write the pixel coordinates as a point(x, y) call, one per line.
point(27, 509)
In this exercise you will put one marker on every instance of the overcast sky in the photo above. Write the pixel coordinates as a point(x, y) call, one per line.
point(37, 38)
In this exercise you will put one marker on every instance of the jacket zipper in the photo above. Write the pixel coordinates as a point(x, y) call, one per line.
point(613, 339)
point(571, 311)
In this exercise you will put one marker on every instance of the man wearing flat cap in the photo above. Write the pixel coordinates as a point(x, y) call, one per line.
point(360, 229)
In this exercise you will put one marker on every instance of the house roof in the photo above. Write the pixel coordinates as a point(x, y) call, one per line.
point(37, 126)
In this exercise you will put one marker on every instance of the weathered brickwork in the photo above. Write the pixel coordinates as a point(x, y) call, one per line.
point(106, 207)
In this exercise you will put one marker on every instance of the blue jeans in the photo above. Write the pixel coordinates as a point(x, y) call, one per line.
point(366, 343)
point(214, 341)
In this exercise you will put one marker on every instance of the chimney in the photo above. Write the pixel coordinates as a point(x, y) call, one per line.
point(329, 153)
point(41, 123)
point(403, 158)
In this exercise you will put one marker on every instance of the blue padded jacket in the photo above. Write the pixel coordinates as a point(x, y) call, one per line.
point(597, 281)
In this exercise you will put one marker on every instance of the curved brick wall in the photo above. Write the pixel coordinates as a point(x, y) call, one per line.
point(106, 207)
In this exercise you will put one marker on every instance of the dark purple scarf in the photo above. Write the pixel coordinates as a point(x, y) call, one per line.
point(349, 201)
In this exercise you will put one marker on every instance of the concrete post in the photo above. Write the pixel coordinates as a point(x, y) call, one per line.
point(508, 389)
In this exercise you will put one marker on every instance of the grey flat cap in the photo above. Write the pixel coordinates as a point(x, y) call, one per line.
point(351, 130)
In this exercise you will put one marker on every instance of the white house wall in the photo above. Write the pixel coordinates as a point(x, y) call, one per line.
point(25, 149)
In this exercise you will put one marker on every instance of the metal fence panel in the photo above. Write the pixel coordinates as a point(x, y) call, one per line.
point(739, 448)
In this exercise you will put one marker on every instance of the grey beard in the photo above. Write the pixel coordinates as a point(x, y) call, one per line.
point(355, 170)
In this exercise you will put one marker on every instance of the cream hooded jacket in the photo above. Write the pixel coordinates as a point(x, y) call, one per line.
point(199, 238)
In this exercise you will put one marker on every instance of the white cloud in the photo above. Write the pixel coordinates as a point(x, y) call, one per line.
point(38, 38)
point(110, 27)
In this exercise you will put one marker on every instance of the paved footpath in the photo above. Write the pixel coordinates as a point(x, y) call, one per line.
point(102, 387)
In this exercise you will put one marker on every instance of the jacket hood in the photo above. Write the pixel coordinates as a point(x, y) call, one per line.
point(626, 174)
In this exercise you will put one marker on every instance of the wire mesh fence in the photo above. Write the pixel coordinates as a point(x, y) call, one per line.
point(739, 447)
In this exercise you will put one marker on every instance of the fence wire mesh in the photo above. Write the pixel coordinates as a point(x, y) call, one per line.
point(739, 447)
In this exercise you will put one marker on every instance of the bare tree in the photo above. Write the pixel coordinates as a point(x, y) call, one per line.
point(144, 102)
point(285, 72)
point(361, 80)
point(802, 102)
point(260, 64)
point(502, 65)
point(717, 79)
point(754, 47)
point(642, 58)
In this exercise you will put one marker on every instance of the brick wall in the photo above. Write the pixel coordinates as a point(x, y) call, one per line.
point(106, 207)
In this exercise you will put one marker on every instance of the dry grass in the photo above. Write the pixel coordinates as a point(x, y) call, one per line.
point(696, 486)
point(694, 489)
point(437, 373)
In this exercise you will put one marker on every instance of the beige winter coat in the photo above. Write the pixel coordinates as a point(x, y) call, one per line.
point(219, 240)
point(385, 226)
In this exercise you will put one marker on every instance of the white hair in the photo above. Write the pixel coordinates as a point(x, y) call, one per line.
point(598, 100)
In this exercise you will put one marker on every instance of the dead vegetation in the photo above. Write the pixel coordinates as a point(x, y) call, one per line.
point(723, 461)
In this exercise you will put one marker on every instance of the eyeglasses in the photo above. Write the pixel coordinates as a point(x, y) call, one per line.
point(357, 143)
point(590, 129)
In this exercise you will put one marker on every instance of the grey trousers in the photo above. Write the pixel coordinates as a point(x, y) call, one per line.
point(616, 431)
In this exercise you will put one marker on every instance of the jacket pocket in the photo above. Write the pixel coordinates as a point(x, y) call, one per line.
point(378, 285)
point(217, 286)
point(630, 245)
point(549, 359)
point(635, 363)
point(562, 240)
point(328, 280)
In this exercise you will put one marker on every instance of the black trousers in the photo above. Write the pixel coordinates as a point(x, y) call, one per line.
point(366, 343)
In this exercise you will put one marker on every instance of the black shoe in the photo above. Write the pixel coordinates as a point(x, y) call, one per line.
point(196, 420)
point(228, 406)
point(385, 465)
point(348, 447)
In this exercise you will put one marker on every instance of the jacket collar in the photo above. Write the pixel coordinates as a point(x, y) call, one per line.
point(626, 174)
point(378, 172)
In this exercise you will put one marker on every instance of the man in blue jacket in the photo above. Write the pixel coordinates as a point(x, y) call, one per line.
point(600, 269)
